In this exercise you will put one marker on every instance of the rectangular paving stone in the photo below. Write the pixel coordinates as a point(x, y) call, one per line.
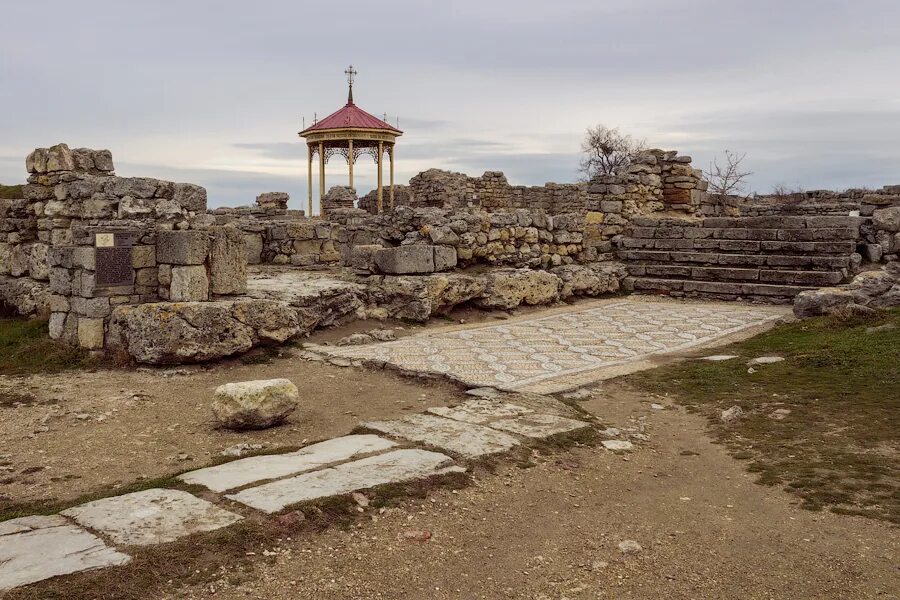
point(539, 425)
point(36, 548)
point(466, 439)
point(249, 470)
point(393, 467)
point(480, 411)
point(150, 517)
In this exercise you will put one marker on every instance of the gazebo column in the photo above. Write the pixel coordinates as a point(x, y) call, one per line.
point(321, 179)
point(309, 154)
point(350, 159)
point(380, 178)
point(391, 157)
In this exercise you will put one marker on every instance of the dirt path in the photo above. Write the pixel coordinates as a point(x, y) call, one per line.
point(552, 531)
point(85, 433)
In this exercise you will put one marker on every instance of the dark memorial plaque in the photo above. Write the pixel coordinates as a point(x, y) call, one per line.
point(113, 259)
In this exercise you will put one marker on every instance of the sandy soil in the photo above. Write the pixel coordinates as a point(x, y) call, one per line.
point(552, 532)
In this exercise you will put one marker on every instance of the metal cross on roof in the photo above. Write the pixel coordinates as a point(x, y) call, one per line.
point(350, 72)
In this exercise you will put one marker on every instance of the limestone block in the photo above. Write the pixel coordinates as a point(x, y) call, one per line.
point(508, 288)
point(5, 257)
point(40, 547)
point(444, 258)
point(362, 257)
point(143, 257)
point(190, 197)
point(182, 247)
point(149, 517)
point(189, 284)
point(255, 404)
point(254, 245)
point(90, 307)
point(227, 261)
point(417, 258)
point(90, 333)
point(887, 219)
point(56, 325)
point(242, 472)
point(60, 158)
point(38, 267)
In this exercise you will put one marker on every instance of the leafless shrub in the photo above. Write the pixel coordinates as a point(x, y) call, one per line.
point(607, 151)
point(728, 178)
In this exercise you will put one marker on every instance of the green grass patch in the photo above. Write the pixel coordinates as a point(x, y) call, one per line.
point(839, 446)
point(25, 348)
point(11, 192)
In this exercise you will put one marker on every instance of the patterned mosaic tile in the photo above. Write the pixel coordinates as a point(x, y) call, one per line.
point(556, 352)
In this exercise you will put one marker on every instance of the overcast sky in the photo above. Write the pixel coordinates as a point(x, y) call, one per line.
point(213, 92)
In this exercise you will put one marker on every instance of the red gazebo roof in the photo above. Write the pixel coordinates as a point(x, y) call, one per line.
point(351, 116)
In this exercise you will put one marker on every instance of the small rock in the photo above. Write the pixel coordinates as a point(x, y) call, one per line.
point(580, 394)
point(610, 432)
point(255, 404)
point(383, 335)
point(655, 406)
point(732, 415)
point(361, 500)
point(340, 362)
point(291, 519)
point(241, 449)
point(356, 339)
point(779, 413)
point(484, 392)
point(881, 328)
point(618, 445)
point(764, 360)
point(183, 457)
point(416, 535)
point(719, 357)
point(629, 547)
point(83, 417)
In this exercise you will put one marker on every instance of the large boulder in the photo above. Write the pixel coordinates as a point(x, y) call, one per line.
point(417, 298)
point(508, 288)
point(255, 404)
point(824, 301)
point(405, 260)
point(170, 333)
point(589, 280)
point(874, 289)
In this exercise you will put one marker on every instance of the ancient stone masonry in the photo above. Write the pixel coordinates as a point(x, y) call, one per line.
point(520, 238)
point(768, 258)
point(339, 196)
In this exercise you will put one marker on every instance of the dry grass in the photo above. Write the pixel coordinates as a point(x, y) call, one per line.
point(25, 348)
point(839, 446)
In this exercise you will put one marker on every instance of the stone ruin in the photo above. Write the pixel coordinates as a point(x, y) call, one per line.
point(140, 266)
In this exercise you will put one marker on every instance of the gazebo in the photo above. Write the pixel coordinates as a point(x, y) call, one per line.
point(350, 132)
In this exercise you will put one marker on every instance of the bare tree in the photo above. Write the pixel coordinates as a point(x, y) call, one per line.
point(608, 151)
point(728, 179)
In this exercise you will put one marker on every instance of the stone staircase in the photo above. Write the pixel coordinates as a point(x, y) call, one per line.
point(762, 258)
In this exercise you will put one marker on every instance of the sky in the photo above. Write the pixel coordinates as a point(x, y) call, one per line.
point(214, 92)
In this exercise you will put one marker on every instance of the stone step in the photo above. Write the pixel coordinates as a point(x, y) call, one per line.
point(836, 249)
point(394, 467)
point(826, 234)
point(245, 471)
point(718, 288)
point(39, 547)
point(779, 276)
point(784, 261)
point(153, 516)
point(751, 222)
point(465, 439)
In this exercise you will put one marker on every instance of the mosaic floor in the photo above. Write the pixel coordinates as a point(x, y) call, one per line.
point(557, 352)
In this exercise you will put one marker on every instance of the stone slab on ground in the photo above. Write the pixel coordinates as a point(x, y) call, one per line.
point(249, 470)
point(480, 411)
point(393, 467)
point(36, 548)
point(466, 439)
point(154, 516)
point(567, 348)
point(539, 426)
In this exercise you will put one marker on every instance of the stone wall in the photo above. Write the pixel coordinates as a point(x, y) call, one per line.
point(520, 238)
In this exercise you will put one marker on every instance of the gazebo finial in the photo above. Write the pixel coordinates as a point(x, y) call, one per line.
point(350, 73)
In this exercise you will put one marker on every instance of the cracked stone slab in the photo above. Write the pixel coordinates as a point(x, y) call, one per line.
point(466, 439)
point(393, 467)
point(480, 411)
point(245, 471)
point(539, 425)
point(153, 516)
point(36, 548)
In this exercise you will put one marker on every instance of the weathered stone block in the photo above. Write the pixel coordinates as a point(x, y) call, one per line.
point(254, 245)
point(90, 307)
point(227, 261)
point(189, 284)
point(143, 257)
point(190, 197)
point(887, 219)
point(182, 247)
point(90, 333)
point(402, 260)
point(444, 258)
point(255, 404)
